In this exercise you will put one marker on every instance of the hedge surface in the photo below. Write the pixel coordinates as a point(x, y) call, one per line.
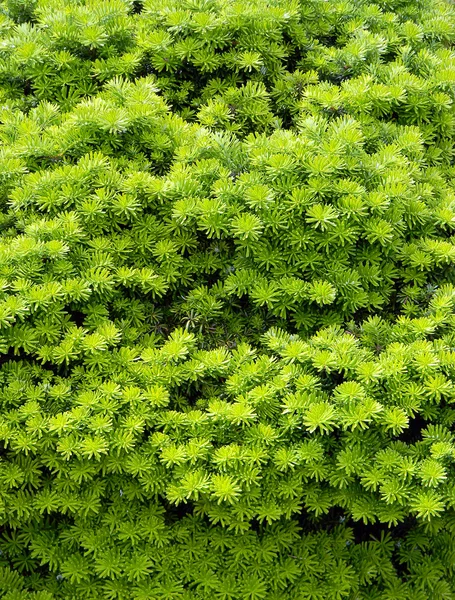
point(227, 300)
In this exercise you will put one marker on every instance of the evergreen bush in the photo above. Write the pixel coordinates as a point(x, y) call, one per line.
point(227, 300)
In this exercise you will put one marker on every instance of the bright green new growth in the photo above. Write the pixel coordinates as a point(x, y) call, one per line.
point(227, 300)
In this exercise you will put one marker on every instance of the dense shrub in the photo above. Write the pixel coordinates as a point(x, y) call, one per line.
point(299, 228)
point(227, 300)
point(257, 445)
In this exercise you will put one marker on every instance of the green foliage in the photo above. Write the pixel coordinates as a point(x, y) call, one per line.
point(227, 300)
point(96, 453)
